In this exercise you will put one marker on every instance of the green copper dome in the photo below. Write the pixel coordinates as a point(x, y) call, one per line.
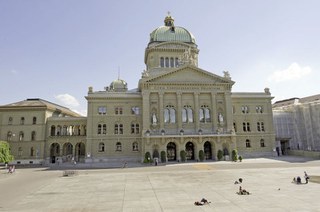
point(169, 32)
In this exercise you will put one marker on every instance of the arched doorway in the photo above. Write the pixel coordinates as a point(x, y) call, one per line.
point(54, 152)
point(190, 151)
point(171, 151)
point(67, 149)
point(207, 150)
point(80, 152)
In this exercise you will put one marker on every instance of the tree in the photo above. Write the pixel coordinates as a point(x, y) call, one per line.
point(234, 155)
point(5, 155)
point(201, 155)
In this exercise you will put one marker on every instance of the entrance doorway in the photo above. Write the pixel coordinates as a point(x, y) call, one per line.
point(190, 151)
point(171, 151)
point(207, 150)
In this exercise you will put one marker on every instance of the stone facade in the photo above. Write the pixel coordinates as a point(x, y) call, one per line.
point(177, 106)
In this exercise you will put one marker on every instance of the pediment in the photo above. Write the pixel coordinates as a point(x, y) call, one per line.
point(188, 75)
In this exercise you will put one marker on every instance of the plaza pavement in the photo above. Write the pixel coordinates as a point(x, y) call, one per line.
point(170, 187)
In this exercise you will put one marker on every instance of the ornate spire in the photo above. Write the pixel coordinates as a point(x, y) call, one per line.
point(169, 21)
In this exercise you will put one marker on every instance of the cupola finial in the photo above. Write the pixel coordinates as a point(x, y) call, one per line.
point(169, 21)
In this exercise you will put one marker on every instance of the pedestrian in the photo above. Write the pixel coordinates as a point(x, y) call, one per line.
point(306, 177)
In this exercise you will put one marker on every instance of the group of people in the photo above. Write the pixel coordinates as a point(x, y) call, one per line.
point(241, 190)
point(203, 201)
point(298, 179)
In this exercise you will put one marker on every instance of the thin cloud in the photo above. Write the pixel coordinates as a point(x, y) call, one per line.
point(13, 71)
point(68, 100)
point(293, 72)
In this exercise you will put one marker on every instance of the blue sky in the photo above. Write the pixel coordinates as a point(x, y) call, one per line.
point(56, 49)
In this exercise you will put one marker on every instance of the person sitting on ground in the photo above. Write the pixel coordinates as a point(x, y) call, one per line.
point(238, 182)
point(298, 180)
point(205, 201)
point(243, 191)
point(198, 203)
point(294, 180)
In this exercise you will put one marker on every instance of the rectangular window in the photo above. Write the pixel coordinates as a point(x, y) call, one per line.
point(118, 110)
point(102, 110)
point(135, 110)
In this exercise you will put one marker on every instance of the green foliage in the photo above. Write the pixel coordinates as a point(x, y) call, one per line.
point(5, 155)
point(234, 155)
point(240, 158)
point(183, 156)
point(220, 154)
point(163, 156)
point(147, 158)
point(201, 155)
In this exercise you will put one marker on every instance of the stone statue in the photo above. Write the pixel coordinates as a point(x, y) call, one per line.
point(154, 119)
point(220, 118)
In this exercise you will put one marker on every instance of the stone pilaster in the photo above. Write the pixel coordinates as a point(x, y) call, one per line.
point(196, 110)
point(179, 107)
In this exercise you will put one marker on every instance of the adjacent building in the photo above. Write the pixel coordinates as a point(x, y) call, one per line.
point(297, 124)
point(176, 106)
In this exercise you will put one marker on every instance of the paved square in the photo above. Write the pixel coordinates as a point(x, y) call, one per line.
point(173, 187)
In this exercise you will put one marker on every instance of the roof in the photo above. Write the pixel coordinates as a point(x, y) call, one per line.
point(39, 103)
point(169, 32)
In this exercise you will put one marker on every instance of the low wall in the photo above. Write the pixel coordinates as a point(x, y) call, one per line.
point(308, 154)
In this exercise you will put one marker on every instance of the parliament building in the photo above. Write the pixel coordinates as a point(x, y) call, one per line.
point(176, 106)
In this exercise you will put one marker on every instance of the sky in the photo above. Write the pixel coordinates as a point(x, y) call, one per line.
point(56, 49)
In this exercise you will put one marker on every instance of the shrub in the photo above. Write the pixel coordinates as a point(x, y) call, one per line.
point(147, 158)
point(234, 155)
point(220, 154)
point(240, 158)
point(5, 155)
point(183, 155)
point(163, 156)
point(201, 155)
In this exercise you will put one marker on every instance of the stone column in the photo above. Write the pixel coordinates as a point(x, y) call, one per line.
point(146, 110)
point(228, 114)
point(214, 114)
point(179, 107)
point(161, 107)
point(196, 110)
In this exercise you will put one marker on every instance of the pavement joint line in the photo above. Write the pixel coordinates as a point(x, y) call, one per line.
point(155, 194)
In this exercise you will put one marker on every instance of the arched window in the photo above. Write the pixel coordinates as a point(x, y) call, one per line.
point(171, 62)
point(34, 120)
point(101, 147)
point(33, 135)
point(31, 152)
point(246, 126)
point(53, 130)
point(161, 62)
point(118, 147)
point(184, 115)
point(135, 128)
point(167, 62)
point(248, 144)
point(135, 146)
point(169, 114)
point(104, 130)
point(10, 121)
point(21, 136)
point(187, 114)
point(22, 121)
point(177, 62)
point(9, 136)
point(118, 129)
point(204, 114)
